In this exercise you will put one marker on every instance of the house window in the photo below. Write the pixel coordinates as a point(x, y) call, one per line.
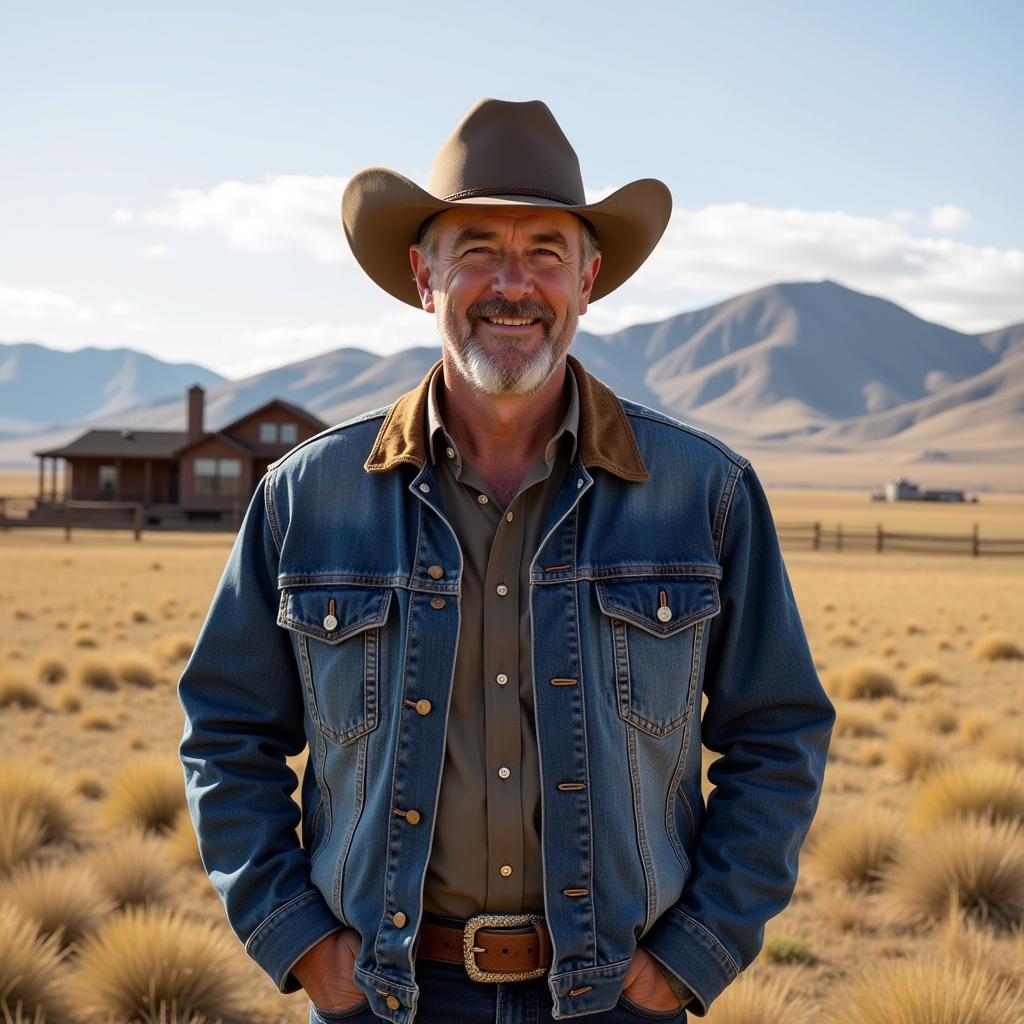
point(289, 433)
point(268, 433)
point(108, 478)
point(218, 478)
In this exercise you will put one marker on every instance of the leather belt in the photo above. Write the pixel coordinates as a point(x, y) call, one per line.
point(492, 947)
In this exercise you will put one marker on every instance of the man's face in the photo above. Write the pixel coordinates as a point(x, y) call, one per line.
point(508, 288)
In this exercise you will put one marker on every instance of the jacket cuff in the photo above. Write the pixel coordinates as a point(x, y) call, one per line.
point(291, 930)
point(692, 953)
point(680, 989)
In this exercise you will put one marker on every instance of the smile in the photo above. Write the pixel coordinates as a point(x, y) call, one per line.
point(510, 321)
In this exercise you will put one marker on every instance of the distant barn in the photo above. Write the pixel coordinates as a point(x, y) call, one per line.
point(902, 489)
point(190, 475)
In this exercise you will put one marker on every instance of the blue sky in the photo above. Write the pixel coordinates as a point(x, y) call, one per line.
point(170, 177)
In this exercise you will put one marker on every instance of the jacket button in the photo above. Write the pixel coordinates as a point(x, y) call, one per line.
point(423, 706)
point(399, 918)
point(437, 602)
point(501, 589)
point(330, 622)
point(435, 572)
point(413, 816)
point(393, 1003)
point(664, 613)
point(505, 870)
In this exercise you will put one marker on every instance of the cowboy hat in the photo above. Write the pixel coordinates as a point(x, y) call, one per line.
point(501, 153)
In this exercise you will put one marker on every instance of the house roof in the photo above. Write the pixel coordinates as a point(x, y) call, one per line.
point(219, 435)
point(225, 432)
point(122, 444)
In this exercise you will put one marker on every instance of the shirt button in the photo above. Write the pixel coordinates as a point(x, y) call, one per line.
point(412, 816)
point(330, 622)
point(505, 870)
point(393, 1003)
point(508, 517)
point(399, 918)
point(501, 589)
point(437, 602)
point(503, 772)
point(425, 488)
point(482, 498)
point(664, 613)
point(423, 706)
point(435, 572)
point(450, 452)
point(501, 678)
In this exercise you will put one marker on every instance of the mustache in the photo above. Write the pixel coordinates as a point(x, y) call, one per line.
point(527, 309)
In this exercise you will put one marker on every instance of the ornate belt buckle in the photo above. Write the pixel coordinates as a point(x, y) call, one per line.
point(470, 947)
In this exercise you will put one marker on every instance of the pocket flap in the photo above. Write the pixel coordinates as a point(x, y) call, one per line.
point(662, 606)
point(333, 614)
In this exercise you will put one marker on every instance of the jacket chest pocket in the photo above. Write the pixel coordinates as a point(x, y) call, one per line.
point(338, 634)
point(656, 625)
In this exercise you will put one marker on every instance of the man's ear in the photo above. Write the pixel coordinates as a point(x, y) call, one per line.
point(421, 275)
point(587, 283)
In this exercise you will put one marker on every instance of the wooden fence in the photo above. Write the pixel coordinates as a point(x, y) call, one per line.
point(819, 537)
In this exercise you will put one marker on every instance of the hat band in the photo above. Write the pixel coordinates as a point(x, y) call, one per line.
point(509, 190)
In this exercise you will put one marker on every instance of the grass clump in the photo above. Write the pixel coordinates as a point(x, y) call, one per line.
point(1006, 744)
point(64, 900)
point(751, 999)
point(138, 614)
point(94, 673)
point(174, 649)
point(150, 956)
point(932, 990)
point(69, 701)
point(862, 680)
point(967, 863)
point(854, 720)
point(49, 668)
point(182, 842)
point(923, 673)
point(21, 834)
point(134, 868)
point(997, 647)
point(32, 971)
point(857, 849)
point(85, 641)
point(16, 690)
point(984, 789)
point(783, 949)
point(939, 717)
point(913, 754)
point(149, 792)
point(975, 725)
point(97, 721)
point(135, 669)
point(39, 790)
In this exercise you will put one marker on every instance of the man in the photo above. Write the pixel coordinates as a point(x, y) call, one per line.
point(492, 611)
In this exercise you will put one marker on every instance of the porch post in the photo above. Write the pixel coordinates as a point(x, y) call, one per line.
point(117, 481)
point(41, 472)
point(147, 486)
point(53, 478)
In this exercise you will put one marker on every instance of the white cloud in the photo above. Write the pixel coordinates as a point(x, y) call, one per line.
point(948, 218)
point(123, 216)
point(40, 304)
point(156, 251)
point(288, 211)
point(903, 217)
point(119, 309)
point(140, 326)
point(729, 248)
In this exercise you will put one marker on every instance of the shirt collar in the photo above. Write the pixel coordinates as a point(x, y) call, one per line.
point(438, 438)
point(605, 436)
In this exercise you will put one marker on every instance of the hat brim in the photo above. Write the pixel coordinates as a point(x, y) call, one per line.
point(382, 212)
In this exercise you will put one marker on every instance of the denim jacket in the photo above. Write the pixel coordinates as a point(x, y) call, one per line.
point(658, 587)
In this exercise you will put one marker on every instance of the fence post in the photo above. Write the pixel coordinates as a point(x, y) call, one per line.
point(839, 536)
point(975, 545)
point(878, 539)
point(138, 522)
point(816, 541)
point(67, 521)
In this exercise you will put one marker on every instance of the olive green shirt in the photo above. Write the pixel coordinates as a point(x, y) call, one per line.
point(486, 854)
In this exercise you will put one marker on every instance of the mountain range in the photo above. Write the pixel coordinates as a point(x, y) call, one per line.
point(801, 371)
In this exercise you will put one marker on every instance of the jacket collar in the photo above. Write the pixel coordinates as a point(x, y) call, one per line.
point(606, 439)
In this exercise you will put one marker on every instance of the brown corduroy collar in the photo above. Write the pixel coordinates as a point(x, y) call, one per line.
point(606, 438)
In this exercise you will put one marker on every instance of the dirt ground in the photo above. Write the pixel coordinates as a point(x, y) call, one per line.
point(899, 612)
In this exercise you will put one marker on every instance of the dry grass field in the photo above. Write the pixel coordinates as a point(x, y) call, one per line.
point(911, 891)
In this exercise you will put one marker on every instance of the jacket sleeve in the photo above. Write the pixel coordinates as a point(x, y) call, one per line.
point(770, 720)
point(244, 713)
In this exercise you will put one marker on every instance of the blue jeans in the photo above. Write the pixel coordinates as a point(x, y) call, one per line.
point(449, 996)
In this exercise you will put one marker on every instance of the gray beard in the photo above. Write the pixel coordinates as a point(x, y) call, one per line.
point(492, 376)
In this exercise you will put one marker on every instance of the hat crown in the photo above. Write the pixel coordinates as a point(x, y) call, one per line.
point(502, 148)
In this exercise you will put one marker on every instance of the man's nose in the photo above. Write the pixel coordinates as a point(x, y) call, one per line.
point(512, 278)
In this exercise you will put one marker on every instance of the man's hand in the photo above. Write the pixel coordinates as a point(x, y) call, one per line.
point(325, 971)
point(646, 986)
